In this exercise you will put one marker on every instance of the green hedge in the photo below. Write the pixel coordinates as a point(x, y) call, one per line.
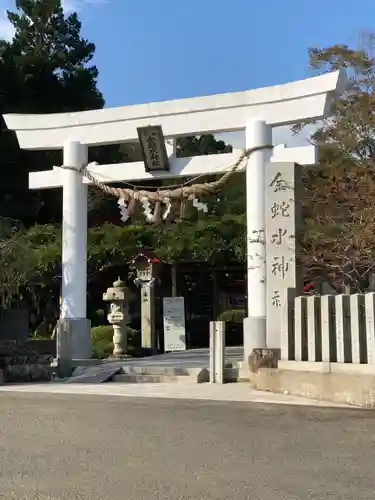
point(232, 315)
point(102, 345)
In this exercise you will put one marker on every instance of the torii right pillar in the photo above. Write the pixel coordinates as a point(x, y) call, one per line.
point(273, 209)
point(258, 134)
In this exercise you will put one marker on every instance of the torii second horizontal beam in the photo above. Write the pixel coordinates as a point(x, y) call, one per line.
point(179, 167)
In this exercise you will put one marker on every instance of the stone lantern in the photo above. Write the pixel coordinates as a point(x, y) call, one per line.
point(146, 266)
point(119, 297)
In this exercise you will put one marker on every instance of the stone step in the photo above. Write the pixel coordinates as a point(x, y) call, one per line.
point(161, 374)
point(137, 378)
point(132, 372)
point(160, 370)
point(173, 374)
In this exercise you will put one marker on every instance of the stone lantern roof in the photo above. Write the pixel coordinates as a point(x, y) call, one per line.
point(145, 256)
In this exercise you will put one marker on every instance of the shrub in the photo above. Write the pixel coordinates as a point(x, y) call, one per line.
point(102, 345)
point(232, 315)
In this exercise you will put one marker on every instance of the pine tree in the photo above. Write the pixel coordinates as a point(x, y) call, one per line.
point(53, 59)
point(46, 68)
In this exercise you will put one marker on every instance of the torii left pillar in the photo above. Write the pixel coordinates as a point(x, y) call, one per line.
point(73, 318)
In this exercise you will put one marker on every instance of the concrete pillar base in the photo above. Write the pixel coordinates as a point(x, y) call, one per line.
point(74, 339)
point(254, 335)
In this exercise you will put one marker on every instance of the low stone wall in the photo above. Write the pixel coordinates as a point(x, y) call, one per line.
point(340, 386)
point(27, 369)
point(25, 361)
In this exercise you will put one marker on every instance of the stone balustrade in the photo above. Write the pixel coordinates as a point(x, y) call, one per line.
point(329, 328)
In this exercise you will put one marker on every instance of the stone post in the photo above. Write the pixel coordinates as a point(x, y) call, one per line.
point(358, 327)
point(217, 352)
point(119, 297)
point(287, 326)
point(283, 221)
point(314, 329)
point(343, 340)
point(370, 327)
point(328, 328)
point(146, 268)
point(300, 329)
point(148, 316)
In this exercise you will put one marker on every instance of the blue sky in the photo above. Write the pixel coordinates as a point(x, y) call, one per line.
point(154, 50)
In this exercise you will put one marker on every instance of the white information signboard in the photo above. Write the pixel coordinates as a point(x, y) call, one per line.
point(174, 324)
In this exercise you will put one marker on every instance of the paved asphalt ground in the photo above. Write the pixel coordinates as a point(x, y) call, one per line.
point(104, 447)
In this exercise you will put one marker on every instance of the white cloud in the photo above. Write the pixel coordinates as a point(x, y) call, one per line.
point(6, 29)
point(77, 5)
point(70, 6)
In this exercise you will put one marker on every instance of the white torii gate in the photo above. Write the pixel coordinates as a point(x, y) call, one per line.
point(255, 111)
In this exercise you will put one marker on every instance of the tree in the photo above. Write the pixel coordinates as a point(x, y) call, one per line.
point(53, 59)
point(45, 68)
point(31, 260)
point(339, 242)
point(339, 237)
point(201, 145)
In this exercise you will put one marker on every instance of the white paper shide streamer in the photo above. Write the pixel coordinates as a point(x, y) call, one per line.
point(201, 207)
point(147, 209)
point(168, 208)
point(123, 209)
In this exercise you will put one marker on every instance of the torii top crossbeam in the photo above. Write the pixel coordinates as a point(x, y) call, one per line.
point(278, 105)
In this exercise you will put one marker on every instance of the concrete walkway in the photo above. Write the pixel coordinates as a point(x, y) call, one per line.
point(87, 447)
point(240, 392)
point(192, 358)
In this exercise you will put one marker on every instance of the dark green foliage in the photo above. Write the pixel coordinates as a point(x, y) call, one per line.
point(32, 258)
point(201, 145)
